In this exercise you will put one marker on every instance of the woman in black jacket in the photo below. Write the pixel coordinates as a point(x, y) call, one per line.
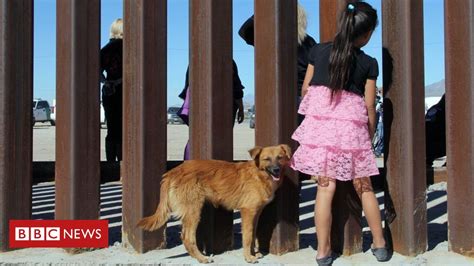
point(238, 106)
point(111, 63)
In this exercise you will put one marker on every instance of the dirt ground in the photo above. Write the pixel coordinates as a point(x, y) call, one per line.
point(175, 254)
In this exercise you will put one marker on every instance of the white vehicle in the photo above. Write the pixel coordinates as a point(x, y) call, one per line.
point(430, 101)
point(53, 111)
point(102, 114)
point(103, 121)
point(173, 117)
point(42, 112)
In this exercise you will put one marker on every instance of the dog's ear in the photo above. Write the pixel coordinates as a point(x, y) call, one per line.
point(287, 149)
point(255, 151)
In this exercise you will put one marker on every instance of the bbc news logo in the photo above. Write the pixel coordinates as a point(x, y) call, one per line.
point(59, 233)
point(37, 233)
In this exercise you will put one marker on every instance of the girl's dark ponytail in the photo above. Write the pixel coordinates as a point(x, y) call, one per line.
point(357, 19)
point(340, 60)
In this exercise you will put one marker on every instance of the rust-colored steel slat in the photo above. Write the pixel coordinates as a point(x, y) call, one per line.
point(404, 122)
point(346, 232)
point(459, 39)
point(275, 97)
point(77, 91)
point(144, 116)
point(211, 135)
point(16, 94)
point(329, 11)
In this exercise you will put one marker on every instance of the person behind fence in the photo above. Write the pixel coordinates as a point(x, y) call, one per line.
point(238, 106)
point(305, 43)
point(111, 63)
point(435, 128)
point(378, 140)
point(335, 136)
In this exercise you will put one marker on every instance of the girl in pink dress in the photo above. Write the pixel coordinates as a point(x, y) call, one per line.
point(335, 137)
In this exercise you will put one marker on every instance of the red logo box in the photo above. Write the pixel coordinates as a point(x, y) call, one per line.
point(59, 233)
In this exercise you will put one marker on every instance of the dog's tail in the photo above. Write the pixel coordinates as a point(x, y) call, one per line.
point(161, 216)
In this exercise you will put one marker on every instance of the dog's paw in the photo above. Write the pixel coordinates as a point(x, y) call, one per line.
point(251, 259)
point(204, 259)
point(258, 255)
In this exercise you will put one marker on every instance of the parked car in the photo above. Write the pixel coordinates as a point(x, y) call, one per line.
point(173, 117)
point(102, 114)
point(252, 121)
point(430, 101)
point(103, 121)
point(252, 117)
point(42, 112)
point(53, 111)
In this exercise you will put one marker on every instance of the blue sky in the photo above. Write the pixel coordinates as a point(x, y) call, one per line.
point(178, 43)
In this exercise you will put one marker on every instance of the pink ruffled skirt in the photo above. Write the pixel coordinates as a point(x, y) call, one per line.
point(334, 137)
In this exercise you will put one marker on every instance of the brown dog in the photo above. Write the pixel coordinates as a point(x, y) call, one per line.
point(246, 186)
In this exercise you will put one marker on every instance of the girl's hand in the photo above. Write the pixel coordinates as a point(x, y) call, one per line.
point(304, 91)
point(307, 79)
point(370, 92)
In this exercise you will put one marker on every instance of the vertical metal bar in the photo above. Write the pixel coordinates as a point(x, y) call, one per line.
point(404, 112)
point(346, 233)
point(77, 89)
point(211, 132)
point(459, 37)
point(16, 94)
point(346, 230)
point(275, 94)
point(144, 113)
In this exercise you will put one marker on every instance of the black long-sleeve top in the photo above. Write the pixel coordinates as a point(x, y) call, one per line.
point(246, 31)
point(111, 59)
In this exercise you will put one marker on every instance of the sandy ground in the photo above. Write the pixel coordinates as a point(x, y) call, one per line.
point(178, 256)
point(175, 254)
point(177, 136)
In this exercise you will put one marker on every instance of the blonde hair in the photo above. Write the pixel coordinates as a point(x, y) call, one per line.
point(302, 24)
point(116, 29)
